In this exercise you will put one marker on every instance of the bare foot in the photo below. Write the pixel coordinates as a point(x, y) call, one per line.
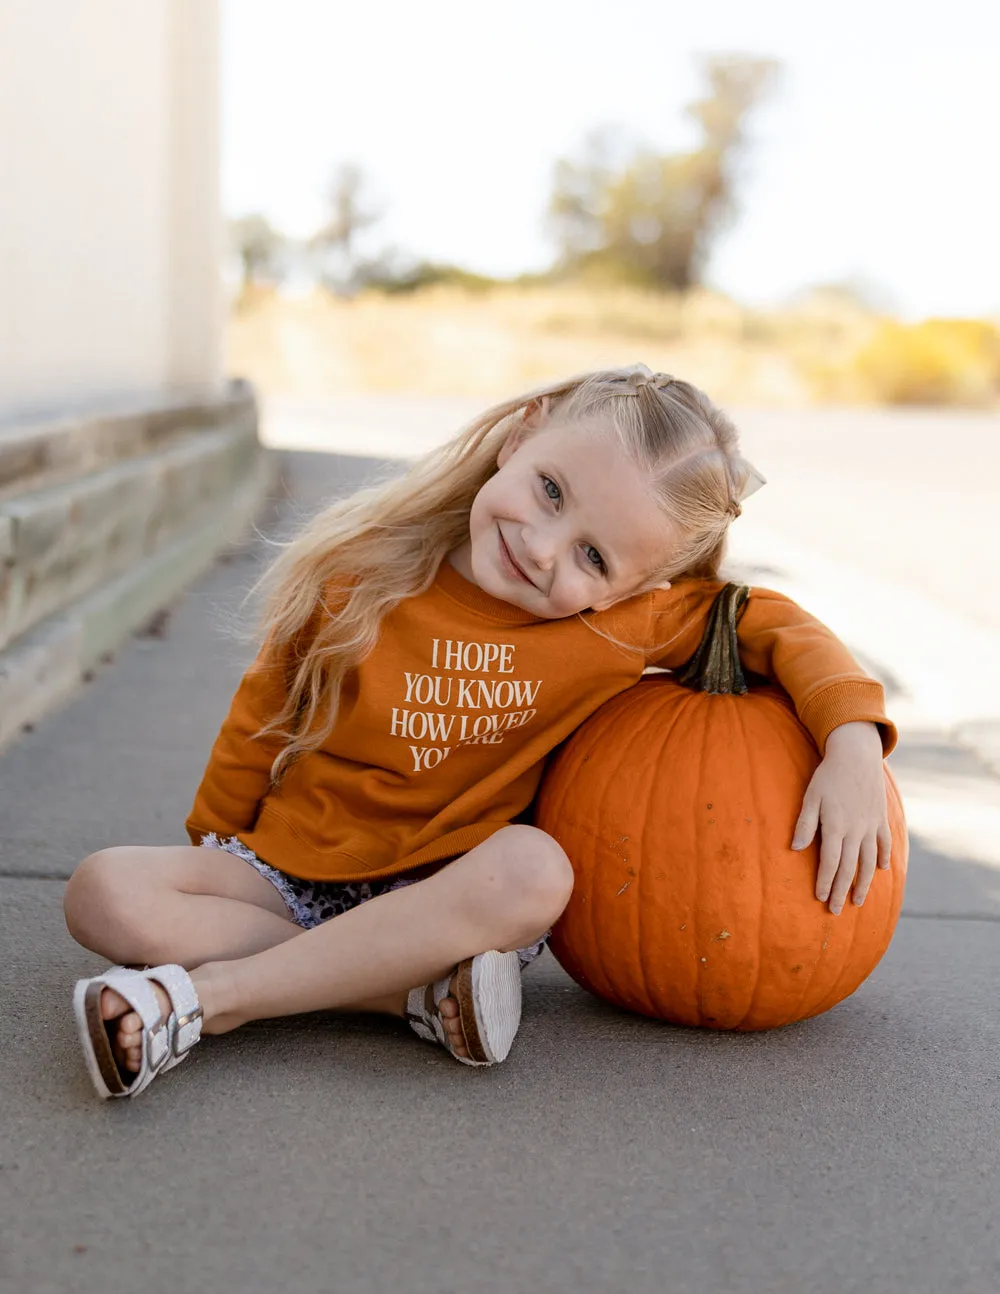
point(448, 1008)
point(126, 1038)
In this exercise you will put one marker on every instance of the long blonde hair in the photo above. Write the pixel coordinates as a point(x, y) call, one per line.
point(326, 595)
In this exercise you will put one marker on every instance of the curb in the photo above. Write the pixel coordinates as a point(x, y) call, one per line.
point(46, 666)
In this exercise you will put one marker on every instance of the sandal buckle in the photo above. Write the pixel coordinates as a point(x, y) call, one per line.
point(181, 1023)
point(156, 1060)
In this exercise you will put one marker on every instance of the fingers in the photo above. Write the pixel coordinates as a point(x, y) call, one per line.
point(866, 869)
point(830, 850)
point(847, 865)
point(808, 821)
point(845, 861)
point(884, 838)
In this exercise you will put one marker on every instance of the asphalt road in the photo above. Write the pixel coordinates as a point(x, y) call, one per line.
point(855, 1152)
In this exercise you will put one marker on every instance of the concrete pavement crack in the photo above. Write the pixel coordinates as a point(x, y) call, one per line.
point(33, 876)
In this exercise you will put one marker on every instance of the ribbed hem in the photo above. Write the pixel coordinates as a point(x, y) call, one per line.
point(861, 701)
point(467, 594)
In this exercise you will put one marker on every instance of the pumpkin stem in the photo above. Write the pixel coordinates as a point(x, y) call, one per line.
point(715, 666)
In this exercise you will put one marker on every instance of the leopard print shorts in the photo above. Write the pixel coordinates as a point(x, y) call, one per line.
point(310, 903)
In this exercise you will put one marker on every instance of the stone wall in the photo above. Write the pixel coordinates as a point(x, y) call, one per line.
point(105, 516)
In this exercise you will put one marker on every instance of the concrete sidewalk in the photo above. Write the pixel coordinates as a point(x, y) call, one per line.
point(856, 1152)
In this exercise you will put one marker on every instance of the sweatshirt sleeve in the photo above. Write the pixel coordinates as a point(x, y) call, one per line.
point(780, 641)
point(238, 775)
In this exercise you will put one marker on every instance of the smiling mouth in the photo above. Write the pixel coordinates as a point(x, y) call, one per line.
point(509, 559)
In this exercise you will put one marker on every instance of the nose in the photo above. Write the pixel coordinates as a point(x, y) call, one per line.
point(540, 550)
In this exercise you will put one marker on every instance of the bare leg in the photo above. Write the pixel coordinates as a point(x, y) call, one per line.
point(503, 894)
point(210, 911)
point(146, 904)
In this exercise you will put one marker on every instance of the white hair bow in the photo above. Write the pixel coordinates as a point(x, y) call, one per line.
point(753, 479)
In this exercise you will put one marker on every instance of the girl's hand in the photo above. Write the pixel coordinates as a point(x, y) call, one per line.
point(847, 796)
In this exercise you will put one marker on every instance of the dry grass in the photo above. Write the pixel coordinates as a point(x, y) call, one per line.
point(446, 341)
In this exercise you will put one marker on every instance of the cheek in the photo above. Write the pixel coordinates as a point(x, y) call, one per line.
point(571, 594)
point(497, 500)
point(480, 513)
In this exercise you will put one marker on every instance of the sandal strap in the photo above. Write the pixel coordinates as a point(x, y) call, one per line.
point(135, 988)
point(425, 1019)
point(184, 1023)
point(422, 1013)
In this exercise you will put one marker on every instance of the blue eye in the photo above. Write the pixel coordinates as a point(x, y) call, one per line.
point(546, 482)
point(595, 558)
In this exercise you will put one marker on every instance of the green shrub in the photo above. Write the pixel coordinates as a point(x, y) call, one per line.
point(938, 361)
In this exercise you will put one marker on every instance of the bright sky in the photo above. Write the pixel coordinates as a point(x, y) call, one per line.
point(875, 158)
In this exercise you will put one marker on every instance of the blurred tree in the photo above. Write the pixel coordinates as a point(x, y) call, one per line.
point(351, 212)
point(859, 291)
point(396, 273)
point(259, 246)
point(651, 217)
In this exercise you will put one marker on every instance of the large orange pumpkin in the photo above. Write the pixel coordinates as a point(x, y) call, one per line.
point(676, 808)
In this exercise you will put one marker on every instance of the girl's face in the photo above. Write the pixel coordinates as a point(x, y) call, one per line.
point(567, 523)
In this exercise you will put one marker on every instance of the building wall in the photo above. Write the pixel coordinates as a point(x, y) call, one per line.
point(110, 223)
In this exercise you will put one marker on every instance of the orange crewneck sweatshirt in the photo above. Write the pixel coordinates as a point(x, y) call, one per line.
point(444, 729)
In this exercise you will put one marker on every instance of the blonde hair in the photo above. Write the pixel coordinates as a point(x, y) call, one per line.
point(328, 592)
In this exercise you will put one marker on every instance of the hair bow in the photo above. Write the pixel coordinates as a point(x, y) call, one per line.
point(753, 480)
point(642, 376)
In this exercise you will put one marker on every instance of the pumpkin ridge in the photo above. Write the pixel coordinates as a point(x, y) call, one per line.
point(606, 967)
point(596, 943)
point(663, 734)
point(833, 996)
point(603, 948)
point(637, 904)
point(741, 715)
point(638, 907)
point(701, 843)
point(795, 1014)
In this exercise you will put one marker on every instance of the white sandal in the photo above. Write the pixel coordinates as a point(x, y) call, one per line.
point(488, 991)
point(165, 1042)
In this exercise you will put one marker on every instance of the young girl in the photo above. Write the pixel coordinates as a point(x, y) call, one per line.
point(361, 838)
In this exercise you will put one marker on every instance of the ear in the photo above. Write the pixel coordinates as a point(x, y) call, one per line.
point(536, 413)
point(651, 588)
point(610, 602)
point(533, 416)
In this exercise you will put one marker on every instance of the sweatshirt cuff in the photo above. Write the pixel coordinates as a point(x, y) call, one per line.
point(855, 702)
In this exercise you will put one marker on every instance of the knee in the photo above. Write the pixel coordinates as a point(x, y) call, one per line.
point(536, 878)
point(96, 897)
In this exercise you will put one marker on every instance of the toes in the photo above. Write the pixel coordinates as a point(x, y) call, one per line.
point(127, 1058)
point(112, 1004)
point(129, 1041)
point(126, 1045)
point(448, 1007)
point(453, 1029)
